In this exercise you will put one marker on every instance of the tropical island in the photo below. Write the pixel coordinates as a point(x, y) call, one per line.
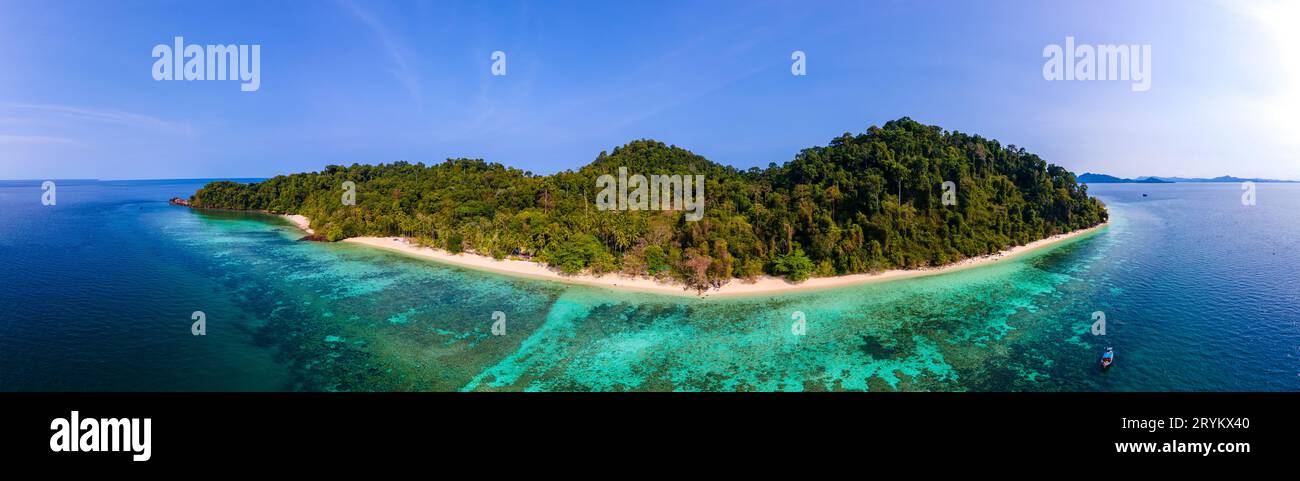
point(870, 205)
point(1091, 178)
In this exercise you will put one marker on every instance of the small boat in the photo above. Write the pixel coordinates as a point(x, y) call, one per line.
point(1108, 357)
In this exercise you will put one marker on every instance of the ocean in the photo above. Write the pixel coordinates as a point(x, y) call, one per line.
point(99, 293)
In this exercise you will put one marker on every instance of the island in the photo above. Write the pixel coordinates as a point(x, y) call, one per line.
point(1091, 178)
point(897, 200)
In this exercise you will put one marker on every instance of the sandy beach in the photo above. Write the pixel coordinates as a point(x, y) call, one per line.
point(763, 285)
point(301, 221)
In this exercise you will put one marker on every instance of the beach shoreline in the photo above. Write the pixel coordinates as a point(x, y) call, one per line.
point(301, 221)
point(764, 285)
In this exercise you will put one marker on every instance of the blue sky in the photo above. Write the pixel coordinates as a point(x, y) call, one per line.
point(371, 82)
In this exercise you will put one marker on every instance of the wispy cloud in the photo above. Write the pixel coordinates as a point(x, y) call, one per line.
point(402, 70)
point(33, 139)
point(118, 117)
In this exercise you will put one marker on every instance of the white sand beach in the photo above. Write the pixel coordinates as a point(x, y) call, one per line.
point(763, 285)
point(301, 221)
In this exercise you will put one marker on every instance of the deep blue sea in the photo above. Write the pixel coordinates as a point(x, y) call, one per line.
point(97, 292)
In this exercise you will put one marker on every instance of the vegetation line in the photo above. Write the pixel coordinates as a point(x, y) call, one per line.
point(763, 285)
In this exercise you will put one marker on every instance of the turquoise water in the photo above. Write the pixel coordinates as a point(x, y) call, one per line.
point(1200, 293)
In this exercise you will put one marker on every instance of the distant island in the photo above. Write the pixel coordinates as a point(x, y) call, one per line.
point(1091, 178)
point(865, 203)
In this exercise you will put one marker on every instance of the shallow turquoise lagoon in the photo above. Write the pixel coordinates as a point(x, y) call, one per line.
point(1199, 293)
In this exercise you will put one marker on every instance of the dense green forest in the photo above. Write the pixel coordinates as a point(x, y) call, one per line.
point(864, 203)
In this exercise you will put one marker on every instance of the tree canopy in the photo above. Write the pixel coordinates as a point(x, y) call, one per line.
point(863, 203)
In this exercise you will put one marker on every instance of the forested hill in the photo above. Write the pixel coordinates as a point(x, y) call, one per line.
point(863, 203)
